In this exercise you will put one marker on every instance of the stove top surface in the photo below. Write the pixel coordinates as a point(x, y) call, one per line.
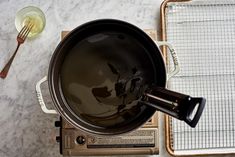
point(76, 142)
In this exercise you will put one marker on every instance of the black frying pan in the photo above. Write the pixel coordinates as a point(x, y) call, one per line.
point(108, 77)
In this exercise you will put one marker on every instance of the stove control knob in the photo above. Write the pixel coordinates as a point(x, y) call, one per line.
point(57, 123)
point(57, 138)
point(81, 140)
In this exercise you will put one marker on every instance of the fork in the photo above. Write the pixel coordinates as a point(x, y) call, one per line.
point(21, 37)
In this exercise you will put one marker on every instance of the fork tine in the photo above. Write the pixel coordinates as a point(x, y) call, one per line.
point(23, 34)
point(22, 30)
point(27, 31)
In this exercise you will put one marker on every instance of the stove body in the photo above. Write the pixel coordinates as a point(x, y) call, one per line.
point(75, 142)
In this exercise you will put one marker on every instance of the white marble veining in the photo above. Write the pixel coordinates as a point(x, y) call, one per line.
point(25, 130)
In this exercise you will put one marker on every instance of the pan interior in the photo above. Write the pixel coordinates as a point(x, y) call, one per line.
point(103, 76)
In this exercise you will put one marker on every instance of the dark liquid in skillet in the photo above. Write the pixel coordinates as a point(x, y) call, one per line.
point(103, 77)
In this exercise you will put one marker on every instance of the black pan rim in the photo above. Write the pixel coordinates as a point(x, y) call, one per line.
point(54, 86)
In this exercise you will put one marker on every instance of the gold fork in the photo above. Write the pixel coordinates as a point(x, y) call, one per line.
point(20, 39)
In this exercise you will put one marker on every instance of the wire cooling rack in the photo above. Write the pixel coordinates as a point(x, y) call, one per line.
point(203, 35)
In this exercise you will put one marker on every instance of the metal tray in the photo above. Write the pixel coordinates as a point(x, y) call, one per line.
point(203, 35)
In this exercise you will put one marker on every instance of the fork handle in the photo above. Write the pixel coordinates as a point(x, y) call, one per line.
point(4, 72)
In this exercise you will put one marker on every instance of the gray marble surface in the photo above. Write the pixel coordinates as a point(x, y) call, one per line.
point(25, 130)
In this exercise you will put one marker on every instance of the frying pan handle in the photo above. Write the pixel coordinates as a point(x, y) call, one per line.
point(196, 106)
point(40, 97)
point(174, 58)
point(178, 105)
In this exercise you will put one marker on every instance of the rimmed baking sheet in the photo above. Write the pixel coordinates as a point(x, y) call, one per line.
point(203, 35)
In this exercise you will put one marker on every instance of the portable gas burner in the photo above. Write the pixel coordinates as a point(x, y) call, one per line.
point(74, 142)
point(141, 141)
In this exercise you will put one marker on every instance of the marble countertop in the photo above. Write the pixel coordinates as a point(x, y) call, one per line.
point(25, 130)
